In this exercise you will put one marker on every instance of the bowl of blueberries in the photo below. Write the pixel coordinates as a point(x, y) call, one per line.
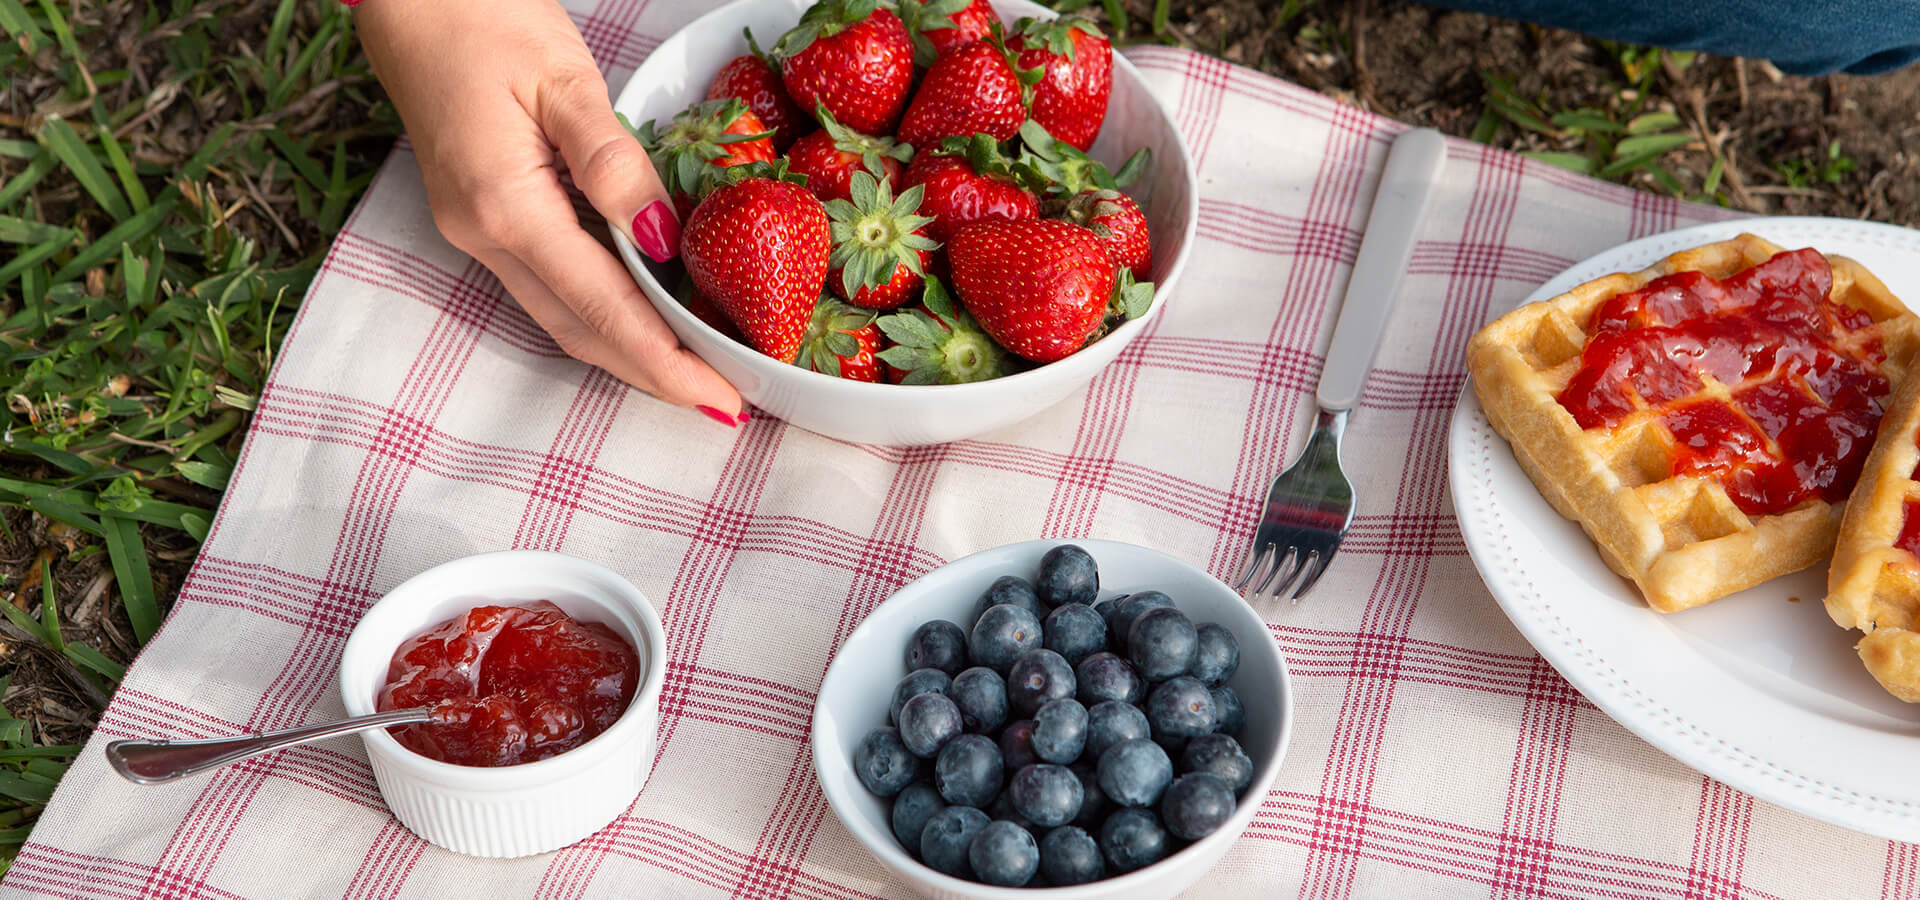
point(1079, 719)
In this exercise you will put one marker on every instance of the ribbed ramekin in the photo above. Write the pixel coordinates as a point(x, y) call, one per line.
point(518, 810)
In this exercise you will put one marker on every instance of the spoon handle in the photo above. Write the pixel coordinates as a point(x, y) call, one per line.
point(158, 762)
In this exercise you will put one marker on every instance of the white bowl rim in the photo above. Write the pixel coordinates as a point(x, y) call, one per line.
point(521, 775)
point(1126, 333)
point(888, 848)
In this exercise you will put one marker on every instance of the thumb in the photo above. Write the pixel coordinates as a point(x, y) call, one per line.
point(608, 164)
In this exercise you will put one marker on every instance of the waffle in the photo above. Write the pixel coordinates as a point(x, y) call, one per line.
point(1657, 509)
point(1874, 583)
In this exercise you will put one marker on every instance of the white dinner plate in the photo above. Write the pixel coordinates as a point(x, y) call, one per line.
point(1760, 689)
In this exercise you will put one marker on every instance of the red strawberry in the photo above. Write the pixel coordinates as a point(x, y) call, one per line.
point(704, 309)
point(841, 341)
point(757, 246)
point(1071, 101)
point(937, 343)
point(975, 187)
point(830, 156)
point(851, 58)
point(755, 81)
point(938, 27)
point(879, 253)
point(715, 133)
point(974, 89)
point(1039, 286)
point(1118, 224)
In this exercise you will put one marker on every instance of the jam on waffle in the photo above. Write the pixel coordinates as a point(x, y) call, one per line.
point(1703, 420)
point(1763, 384)
point(1874, 582)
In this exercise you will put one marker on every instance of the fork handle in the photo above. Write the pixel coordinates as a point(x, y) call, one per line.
point(1406, 189)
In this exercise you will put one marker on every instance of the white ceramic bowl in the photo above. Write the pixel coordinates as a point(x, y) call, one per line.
point(853, 701)
point(533, 807)
point(676, 76)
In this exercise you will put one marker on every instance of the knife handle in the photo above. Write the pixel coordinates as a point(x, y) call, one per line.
point(1406, 190)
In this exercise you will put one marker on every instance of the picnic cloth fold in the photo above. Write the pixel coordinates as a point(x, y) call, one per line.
point(417, 415)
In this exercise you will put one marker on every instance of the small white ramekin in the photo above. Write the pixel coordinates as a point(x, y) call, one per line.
point(509, 810)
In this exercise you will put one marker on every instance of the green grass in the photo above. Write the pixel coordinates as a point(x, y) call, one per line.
point(1803, 172)
point(1622, 140)
point(161, 215)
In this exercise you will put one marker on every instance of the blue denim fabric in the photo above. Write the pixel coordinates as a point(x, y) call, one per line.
point(1808, 37)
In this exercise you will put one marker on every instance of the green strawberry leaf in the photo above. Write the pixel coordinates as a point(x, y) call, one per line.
point(929, 351)
point(717, 177)
point(938, 301)
point(874, 232)
point(1137, 299)
point(823, 19)
point(920, 17)
point(692, 141)
point(1133, 169)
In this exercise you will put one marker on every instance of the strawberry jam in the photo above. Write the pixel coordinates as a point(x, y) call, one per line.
point(1805, 388)
point(510, 684)
point(1909, 539)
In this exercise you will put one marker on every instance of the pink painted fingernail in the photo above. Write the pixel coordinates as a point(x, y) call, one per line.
point(657, 232)
point(745, 417)
point(718, 416)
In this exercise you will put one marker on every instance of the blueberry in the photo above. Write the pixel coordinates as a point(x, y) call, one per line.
point(938, 644)
point(968, 771)
point(1132, 838)
point(1106, 676)
point(1070, 856)
point(1174, 744)
point(1045, 794)
point(1002, 634)
point(1002, 811)
point(1111, 722)
point(1004, 854)
point(1133, 773)
point(1014, 590)
point(1218, 654)
point(1162, 643)
point(911, 810)
point(1229, 715)
point(1128, 608)
point(1196, 805)
point(918, 681)
point(1067, 575)
point(1105, 609)
point(1075, 632)
point(947, 838)
point(1221, 755)
point(1093, 801)
point(928, 722)
point(883, 763)
point(1060, 731)
point(981, 695)
point(1036, 677)
point(1016, 745)
point(1179, 706)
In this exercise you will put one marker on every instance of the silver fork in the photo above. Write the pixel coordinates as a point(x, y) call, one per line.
point(1310, 505)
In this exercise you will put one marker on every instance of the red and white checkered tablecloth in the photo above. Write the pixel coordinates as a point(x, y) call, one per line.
point(416, 415)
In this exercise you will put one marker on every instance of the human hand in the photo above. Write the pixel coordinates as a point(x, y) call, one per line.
point(499, 98)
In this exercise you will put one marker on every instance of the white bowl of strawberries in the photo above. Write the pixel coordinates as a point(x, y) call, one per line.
point(984, 207)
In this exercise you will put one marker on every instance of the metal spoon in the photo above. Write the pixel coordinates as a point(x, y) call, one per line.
point(158, 762)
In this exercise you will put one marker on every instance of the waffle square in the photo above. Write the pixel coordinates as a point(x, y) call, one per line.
point(1681, 538)
point(1874, 582)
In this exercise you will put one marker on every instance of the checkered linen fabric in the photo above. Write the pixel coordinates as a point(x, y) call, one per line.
point(417, 415)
